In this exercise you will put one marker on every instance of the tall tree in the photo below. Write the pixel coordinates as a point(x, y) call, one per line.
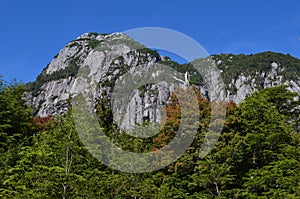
point(270, 149)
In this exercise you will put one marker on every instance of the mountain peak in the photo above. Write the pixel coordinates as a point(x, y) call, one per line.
point(98, 36)
point(106, 57)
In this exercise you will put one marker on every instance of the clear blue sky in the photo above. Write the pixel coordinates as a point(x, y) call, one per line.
point(33, 31)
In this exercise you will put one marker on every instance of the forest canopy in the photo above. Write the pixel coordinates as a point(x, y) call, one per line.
point(256, 156)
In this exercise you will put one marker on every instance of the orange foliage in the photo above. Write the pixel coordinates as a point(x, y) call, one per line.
point(41, 122)
point(172, 116)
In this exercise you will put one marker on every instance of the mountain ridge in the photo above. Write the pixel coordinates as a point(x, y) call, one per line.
point(108, 56)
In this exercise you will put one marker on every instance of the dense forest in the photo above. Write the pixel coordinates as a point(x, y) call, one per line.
point(256, 156)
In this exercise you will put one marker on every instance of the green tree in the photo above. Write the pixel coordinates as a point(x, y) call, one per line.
point(15, 115)
point(269, 149)
point(57, 165)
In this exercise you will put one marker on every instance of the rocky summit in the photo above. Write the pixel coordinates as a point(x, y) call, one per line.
point(100, 60)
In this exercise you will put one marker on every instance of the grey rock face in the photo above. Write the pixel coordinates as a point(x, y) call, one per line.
point(245, 85)
point(100, 66)
point(98, 69)
point(53, 95)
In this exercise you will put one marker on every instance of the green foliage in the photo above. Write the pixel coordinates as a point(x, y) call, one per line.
point(93, 34)
point(14, 114)
point(70, 71)
point(269, 149)
point(195, 76)
point(148, 51)
point(55, 165)
point(257, 155)
point(234, 65)
point(94, 43)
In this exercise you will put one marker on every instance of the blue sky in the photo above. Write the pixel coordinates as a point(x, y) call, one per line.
point(33, 32)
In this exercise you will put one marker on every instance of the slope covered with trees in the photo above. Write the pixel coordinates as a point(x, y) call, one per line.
point(256, 156)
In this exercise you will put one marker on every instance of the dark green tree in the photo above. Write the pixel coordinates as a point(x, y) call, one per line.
point(269, 146)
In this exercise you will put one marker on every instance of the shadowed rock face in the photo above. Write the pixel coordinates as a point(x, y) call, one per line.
point(99, 60)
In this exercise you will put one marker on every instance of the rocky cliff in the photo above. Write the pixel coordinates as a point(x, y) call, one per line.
point(245, 74)
point(104, 58)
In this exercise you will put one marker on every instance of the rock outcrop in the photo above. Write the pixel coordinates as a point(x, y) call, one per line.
point(98, 61)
